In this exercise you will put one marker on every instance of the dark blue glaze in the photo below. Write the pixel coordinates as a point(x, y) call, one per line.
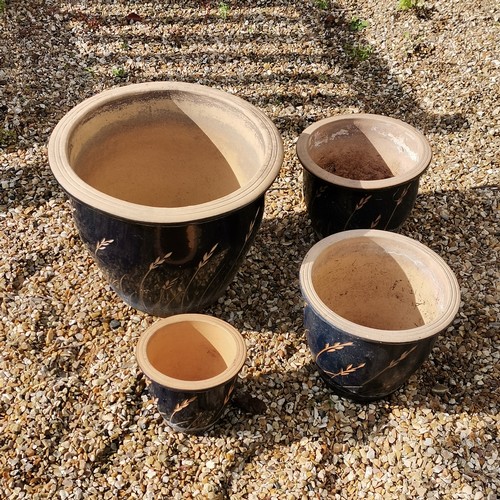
point(359, 369)
point(333, 208)
point(168, 269)
point(193, 411)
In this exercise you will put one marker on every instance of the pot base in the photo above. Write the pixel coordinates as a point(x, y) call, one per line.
point(350, 393)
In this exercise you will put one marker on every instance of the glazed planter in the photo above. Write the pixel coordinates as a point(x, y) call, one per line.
point(192, 361)
point(361, 171)
point(167, 182)
point(375, 303)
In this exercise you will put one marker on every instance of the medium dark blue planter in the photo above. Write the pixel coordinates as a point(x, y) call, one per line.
point(337, 196)
point(168, 184)
point(192, 361)
point(375, 303)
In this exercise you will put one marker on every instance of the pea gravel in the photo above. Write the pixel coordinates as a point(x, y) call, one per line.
point(76, 420)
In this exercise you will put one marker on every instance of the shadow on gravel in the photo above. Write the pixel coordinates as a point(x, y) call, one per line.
point(374, 87)
point(344, 50)
point(345, 54)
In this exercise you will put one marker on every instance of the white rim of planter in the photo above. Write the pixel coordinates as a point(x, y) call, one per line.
point(309, 164)
point(161, 378)
point(375, 334)
point(77, 188)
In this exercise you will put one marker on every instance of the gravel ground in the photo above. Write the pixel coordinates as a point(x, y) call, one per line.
point(76, 418)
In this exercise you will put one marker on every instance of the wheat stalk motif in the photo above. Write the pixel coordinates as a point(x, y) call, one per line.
point(159, 261)
point(392, 364)
point(402, 195)
point(229, 392)
point(376, 221)
point(321, 190)
point(180, 406)
point(154, 265)
point(208, 255)
point(398, 200)
point(332, 348)
point(252, 224)
point(345, 371)
point(247, 237)
point(170, 283)
point(165, 288)
point(361, 203)
point(101, 245)
point(403, 356)
point(338, 347)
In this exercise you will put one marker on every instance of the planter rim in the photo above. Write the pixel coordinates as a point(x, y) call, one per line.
point(310, 165)
point(375, 334)
point(172, 383)
point(77, 188)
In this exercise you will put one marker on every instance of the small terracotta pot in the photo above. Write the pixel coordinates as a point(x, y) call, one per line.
point(167, 182)
point(361, 171)
point(192, 361)
point(375, 303)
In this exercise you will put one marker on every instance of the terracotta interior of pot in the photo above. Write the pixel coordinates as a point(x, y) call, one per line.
point(191, 350)
point(372, 286)
point(364, 149)
point(165, 150)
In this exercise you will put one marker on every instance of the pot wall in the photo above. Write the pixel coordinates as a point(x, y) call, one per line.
point(168, 269)
point(359, 369)
point(194, 411)
point(333, 208)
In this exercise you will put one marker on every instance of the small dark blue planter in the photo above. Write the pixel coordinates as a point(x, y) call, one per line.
point(375, 304)
point(168, 183)
point(361, 171)
point(192, 361)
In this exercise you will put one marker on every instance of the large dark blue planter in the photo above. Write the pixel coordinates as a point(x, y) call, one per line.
point(168, 184)
point(361, 171)
point(192, 362)
point(375, 303)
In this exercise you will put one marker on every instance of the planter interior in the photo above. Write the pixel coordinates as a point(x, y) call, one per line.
point(372, 287)
point(165, 152)
point(376, 147)
point(154, 158)
point(383, 283)
point(191, 352)
point(188, 351)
